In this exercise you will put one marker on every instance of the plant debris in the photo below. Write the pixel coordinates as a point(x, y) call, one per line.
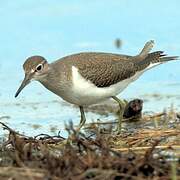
point(89, 155)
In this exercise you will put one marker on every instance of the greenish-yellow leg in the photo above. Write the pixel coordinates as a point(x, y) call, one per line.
point(121, 111)
point(83, 118)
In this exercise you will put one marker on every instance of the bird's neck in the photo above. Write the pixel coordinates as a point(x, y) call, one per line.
point(52, 83)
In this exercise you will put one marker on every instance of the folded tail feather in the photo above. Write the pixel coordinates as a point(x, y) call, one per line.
point(157, 57)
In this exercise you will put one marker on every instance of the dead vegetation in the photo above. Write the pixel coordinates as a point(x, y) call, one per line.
point(94, 154)
point(148, 148)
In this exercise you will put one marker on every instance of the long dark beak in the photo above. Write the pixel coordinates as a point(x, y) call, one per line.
point(25, 82)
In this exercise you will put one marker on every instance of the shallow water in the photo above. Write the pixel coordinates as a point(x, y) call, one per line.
point(61, 28)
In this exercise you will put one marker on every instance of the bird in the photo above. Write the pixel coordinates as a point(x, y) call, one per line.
point(88, 78)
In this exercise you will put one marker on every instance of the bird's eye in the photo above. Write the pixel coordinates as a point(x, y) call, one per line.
point(39, 67)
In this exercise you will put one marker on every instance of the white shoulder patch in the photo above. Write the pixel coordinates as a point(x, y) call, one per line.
point(80, 82)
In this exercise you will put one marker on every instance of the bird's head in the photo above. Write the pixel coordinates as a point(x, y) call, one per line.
point(35, 68)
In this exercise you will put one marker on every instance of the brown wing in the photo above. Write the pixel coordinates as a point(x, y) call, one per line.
point(104, 69)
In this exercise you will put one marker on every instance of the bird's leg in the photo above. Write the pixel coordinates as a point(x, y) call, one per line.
point(83, 118)
point(82, 122)
point(121, 111)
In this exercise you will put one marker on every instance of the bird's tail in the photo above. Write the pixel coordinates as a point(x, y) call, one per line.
point(154, 58)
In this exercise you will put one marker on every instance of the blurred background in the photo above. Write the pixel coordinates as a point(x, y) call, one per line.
point(56, 28)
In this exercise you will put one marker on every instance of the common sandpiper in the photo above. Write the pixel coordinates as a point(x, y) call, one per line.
point(91, 77)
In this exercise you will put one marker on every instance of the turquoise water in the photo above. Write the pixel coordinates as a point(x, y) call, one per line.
point(58, 28)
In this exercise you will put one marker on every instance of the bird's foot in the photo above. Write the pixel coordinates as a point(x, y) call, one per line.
point(79, 127)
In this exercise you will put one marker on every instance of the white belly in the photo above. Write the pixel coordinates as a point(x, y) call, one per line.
point(84, 92)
